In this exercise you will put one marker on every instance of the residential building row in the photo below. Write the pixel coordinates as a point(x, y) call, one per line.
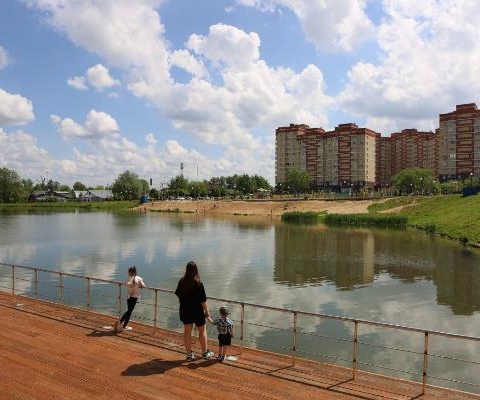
point(352, 157)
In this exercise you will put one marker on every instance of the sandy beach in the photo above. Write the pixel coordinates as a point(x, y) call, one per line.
point(259, 207)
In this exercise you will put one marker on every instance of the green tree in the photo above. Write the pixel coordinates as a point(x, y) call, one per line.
point(79, 186)
point(197, 188)
point(53, 185)
point(11, 188)
point(145, 186)
point(127, 186)
point(64, 188)
point(298, 181)
point(154, 194)
point(245, 184)
point(28, 188)
point(178, 186)
point(416, 180)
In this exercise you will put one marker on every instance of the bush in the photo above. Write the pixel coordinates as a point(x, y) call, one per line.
point(386, 221)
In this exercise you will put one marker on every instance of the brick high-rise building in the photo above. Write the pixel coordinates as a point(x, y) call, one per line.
point(411, 148)
point(290, 151)
point(350, 156)
point(384, 161)
point(459, 143)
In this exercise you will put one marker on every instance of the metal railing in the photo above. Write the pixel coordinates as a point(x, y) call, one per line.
point(85, 291)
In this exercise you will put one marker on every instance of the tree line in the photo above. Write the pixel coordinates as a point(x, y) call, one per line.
point(129, 186)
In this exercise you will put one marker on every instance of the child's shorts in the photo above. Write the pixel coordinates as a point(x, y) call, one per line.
point(224, 339)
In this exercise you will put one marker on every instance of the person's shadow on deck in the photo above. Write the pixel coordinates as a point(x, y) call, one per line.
point(159, 366)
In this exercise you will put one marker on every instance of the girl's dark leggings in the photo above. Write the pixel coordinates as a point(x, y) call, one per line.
point(131, 301)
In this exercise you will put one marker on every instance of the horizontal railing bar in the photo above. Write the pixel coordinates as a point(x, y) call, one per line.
point(390, 348)
point(323, 355)
point(325, 336)
point(390, 368)
point(453, 359)
point(454, 381)
point(271, 308)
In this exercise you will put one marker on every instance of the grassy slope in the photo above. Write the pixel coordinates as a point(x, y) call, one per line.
point(453, 215)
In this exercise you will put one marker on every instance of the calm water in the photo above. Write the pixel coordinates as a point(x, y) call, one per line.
point(398, 277)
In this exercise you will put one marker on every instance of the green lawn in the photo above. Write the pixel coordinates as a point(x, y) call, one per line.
point(453, 216)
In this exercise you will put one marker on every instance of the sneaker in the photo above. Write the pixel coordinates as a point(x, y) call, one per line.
point(118, 326)
point(219, 358)
point(208, 354)
point(190, 356)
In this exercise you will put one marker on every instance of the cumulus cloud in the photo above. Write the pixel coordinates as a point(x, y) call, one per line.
point(185, 60)
point(20, 151)
point(15, 109)
point(332, 26)
point(227, 44)
point(97, 124)
point(4, 58)
point(428, 64)
point(97, 77)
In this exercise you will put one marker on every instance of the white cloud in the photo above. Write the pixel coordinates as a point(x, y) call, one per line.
point(227, 44)
point(14, 109)
point(429, 63)
point(150, 139)
point(20, 152)
point(78, 82)
point(97, 124)
point(238, 112)
point(4, 58)
point(332, 26)
point(185, 60)
point(97, 77)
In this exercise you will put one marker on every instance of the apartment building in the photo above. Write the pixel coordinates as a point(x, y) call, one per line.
point(384, 161)
point(349, 157)
point(411, 148)
point(342, 158)
point(290, 150)
point(459, 143)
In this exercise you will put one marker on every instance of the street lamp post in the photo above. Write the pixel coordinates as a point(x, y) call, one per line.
point(471, 179)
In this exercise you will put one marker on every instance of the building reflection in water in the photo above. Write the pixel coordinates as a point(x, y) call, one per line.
point(351, 258)
point(312, 255)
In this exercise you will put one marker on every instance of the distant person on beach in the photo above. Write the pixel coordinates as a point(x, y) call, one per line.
point(225, 332)
point(193, 309)
point(133, 283)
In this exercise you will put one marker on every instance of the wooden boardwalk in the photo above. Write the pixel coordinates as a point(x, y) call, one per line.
point(48, 351)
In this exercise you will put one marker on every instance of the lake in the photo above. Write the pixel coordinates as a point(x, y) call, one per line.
point(399, 277)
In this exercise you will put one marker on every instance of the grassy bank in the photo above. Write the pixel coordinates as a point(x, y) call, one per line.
point(452, 216)
point(377, 220)
point(299, 217)
point(87, 206)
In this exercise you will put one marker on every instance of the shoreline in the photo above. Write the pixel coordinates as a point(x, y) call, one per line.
point(272, 208)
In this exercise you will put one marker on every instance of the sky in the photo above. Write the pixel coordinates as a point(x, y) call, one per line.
point(91, 88)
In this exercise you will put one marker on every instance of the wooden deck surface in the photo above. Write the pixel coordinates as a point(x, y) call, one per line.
point(48, 351)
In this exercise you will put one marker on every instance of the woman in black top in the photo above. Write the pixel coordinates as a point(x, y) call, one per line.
point(193, 309)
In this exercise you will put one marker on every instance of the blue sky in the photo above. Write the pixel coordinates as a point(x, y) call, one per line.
point(90, 88)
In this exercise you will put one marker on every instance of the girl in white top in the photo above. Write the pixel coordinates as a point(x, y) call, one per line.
point(133, 283)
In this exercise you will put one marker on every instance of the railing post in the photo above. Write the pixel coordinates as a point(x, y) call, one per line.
point(155, 312)
point(425, 361)
point(60, 287)
point(355, 349)
point(88, 293)
point(13, 279)
point(294, 339)
point(119, 299)
point(242, 332)
point(36, 283)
